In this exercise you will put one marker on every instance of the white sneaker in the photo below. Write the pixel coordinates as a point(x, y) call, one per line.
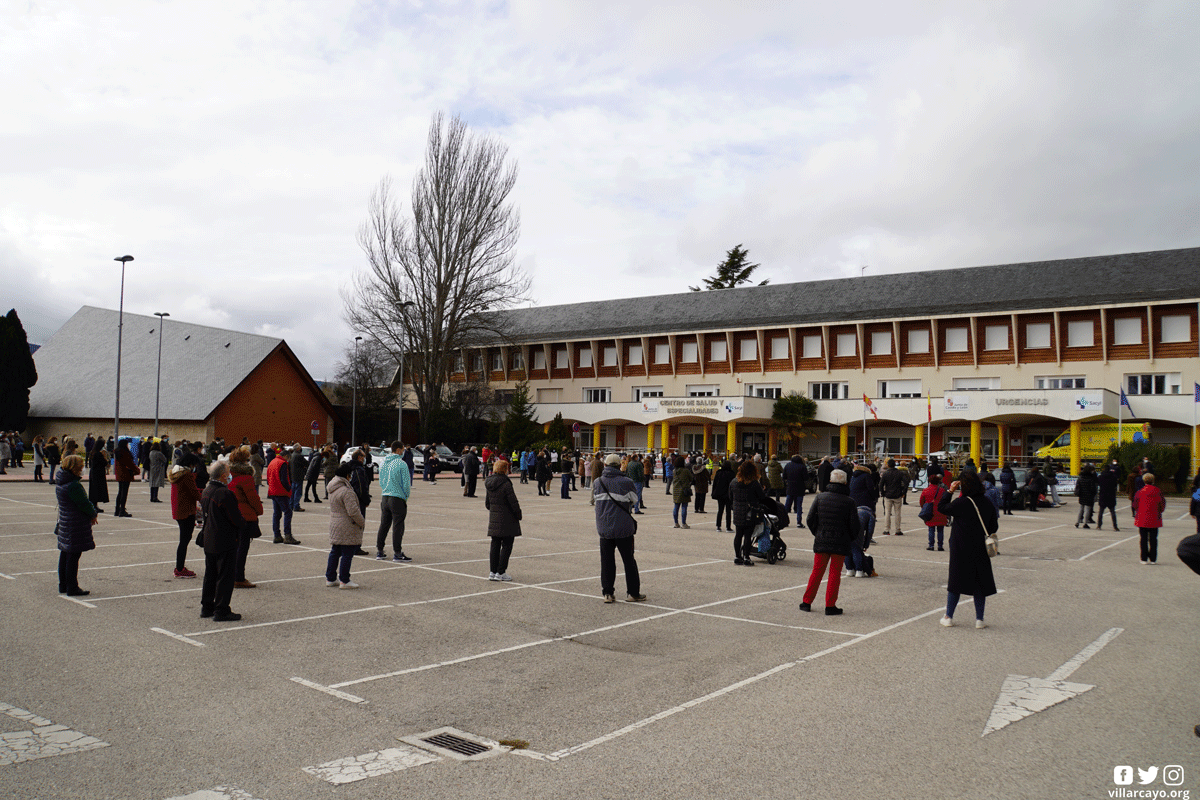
point(1145, 563)
point(493, 576)
point(331, 583)
point(504, 576)
point(947, 622)
point(980, 624)
point(348, 585)
point(860, 574)
point(849, 573)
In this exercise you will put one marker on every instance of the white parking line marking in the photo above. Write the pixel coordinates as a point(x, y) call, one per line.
point(329, 691)
point(287, 621)
point(536, 642)
point(1106, 547)
point(608, 737)
point(178, 636)
point(77, 600)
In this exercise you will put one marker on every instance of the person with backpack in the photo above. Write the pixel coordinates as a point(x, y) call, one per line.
point(1035, 488)
point(936, 522)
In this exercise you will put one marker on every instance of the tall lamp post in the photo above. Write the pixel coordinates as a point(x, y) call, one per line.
point(158, 376)
point(407, 304)
point(354, 394)
point(120, 324)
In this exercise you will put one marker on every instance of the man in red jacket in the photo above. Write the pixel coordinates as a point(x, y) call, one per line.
point(279, 489)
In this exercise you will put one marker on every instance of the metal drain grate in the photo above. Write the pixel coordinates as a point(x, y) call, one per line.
point(456, 744)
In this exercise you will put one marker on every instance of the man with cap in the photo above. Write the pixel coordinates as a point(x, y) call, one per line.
point(833, 522)
point(614, 496)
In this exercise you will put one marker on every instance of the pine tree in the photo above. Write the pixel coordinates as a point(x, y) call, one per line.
point(733, 271)
point(520, 428)
point(16, 365)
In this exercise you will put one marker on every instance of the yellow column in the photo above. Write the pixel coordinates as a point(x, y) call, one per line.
point(844, 440)
point(976, 440)
point(772, 442)
point(666, 436)
point(919, 440)
point(596, 436)
point(731, 437)
point(650, 437)
point(1076, 446)
point(1195, 448)
point(707, 436)
point(1001, 445)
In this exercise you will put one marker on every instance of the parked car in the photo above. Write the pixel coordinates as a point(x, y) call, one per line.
point(378, 454)
point(447, 458)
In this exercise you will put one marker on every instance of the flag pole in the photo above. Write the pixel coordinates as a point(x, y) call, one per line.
point(1120, 418)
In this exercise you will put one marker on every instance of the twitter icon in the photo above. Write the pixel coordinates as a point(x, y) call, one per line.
point(1147, 775)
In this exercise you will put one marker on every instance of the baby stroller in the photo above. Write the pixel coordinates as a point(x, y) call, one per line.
point(765, 542)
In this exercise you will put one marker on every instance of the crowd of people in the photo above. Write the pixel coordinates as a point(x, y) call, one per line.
point(216, 489)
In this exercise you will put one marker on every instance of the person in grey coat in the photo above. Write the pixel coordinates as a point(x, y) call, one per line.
point(504, 519)
point(156, 469)
point(614, 496)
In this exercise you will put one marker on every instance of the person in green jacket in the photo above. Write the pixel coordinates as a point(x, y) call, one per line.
point(636, 472)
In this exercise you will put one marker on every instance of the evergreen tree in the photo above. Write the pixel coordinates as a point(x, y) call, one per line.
point(558, 434)
point(733, 271)
point(520, 428)
point(16, 365)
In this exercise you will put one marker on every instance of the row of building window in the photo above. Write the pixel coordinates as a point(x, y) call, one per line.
point(1174, 328)
point(1140, 384)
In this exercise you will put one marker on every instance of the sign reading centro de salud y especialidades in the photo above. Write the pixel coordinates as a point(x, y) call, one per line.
point(712, 407)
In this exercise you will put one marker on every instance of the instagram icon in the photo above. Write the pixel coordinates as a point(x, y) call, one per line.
point(1172, 775)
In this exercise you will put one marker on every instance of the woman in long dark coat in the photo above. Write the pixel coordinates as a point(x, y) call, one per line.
point(970, 567)
point(504, 519)
point(98, 478)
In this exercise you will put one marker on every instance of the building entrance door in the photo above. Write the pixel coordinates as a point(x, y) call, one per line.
point(754, 442)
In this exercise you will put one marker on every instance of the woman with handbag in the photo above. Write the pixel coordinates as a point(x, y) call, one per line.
point(929, 503)
point(974, 520)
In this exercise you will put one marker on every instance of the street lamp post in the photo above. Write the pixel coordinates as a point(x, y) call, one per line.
point(120, 324)
point(354, 395)
point(407, 304)
point(158, 376)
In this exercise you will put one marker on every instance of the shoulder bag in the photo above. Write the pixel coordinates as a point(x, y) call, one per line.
point(989, 539)
point(623, 508)
point(927, 511)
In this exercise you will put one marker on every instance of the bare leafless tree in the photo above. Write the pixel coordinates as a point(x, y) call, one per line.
point(451, 258)
point(372, 373)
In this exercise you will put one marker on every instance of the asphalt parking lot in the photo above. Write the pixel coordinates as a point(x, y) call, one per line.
point(716, 687)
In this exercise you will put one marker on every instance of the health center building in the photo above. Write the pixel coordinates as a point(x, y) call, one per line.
point(997, 360)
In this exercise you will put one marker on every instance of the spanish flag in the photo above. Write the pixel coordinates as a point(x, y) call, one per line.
point(929, 400)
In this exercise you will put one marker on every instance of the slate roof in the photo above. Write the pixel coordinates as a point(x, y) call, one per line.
point(77, 367)
point(1130, 278)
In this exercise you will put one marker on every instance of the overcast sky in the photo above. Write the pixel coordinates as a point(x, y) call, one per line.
point(231, 147)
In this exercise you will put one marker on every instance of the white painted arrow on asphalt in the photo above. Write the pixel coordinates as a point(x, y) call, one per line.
point(1022, 696)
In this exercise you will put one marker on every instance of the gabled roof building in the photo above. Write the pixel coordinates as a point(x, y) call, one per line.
point(215, 383)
